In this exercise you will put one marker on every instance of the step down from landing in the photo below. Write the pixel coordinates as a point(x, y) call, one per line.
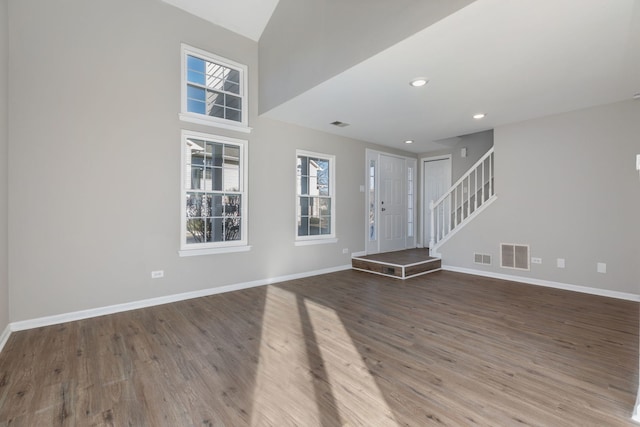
point(400, 265)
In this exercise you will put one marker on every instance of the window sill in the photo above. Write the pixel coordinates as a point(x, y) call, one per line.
point(196, 118)
point(315, 242)
point(213, 251)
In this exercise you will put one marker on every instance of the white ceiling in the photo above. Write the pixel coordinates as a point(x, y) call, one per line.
point(245, 17)
point(513, 60)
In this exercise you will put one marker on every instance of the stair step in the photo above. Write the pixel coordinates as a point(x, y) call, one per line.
point(400, 265)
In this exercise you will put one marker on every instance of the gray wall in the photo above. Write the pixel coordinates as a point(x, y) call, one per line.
point(567, 186)
point(4, 275)
point(477, 144)
point(309, 41)
point(94, 196)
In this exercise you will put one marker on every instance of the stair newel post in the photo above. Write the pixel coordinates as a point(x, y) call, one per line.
point(432, 241)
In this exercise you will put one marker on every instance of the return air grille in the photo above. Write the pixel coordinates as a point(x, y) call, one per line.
point(514, 256)
point(482, 259)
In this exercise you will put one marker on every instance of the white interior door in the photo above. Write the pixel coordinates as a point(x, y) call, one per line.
point(437, 180)
point(393, 203)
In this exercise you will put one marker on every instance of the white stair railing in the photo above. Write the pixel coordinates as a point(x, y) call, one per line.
point(465, 199)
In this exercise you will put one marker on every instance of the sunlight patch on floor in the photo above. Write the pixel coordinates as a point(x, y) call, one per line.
point(310, 372)
point(352, 384)
point(283, 392)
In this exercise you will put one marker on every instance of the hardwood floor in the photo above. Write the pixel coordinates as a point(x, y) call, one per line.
point(343, 349)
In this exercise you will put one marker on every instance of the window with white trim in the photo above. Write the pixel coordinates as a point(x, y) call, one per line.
point(214, 194)
point(315, 197)
point(213, 90)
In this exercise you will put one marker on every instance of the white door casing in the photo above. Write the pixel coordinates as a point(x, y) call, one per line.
point(436, 172)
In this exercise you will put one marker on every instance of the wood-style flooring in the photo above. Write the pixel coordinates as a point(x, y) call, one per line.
point(343, 349)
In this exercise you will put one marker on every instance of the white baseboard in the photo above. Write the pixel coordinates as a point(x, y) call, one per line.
point(101, 311)
point(5, 336)
point(547, 283)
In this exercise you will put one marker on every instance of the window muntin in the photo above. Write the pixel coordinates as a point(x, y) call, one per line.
point(213, 192)
point(213, 90)
point(315, 198)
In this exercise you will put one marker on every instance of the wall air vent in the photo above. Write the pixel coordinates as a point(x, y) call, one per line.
point(482, 259)
point(340, 124)
point(514, 256)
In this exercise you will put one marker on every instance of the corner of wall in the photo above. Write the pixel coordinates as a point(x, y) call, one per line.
point(4, 166)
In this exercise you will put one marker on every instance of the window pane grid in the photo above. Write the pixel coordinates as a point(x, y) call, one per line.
point(314, 199)
point(213, 89)
point(217, 77)
point(213, 192)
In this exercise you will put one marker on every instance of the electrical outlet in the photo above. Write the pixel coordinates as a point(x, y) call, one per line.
point(601, 267)
point(157, 274)
point(560, 262)
point(536, 260)
point(345, 251)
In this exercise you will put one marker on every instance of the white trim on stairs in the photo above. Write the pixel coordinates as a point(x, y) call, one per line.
point(547, 283)
point(475, 213)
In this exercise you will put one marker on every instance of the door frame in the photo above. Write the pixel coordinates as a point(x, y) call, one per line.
point(372, 246)
point(424, 205)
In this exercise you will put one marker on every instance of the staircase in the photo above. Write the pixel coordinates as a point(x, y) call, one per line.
point(469, 196)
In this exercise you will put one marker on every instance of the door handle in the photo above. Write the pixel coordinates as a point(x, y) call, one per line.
point(384, 209)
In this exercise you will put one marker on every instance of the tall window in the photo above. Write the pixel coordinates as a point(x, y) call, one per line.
point(214, 203)
point(315, 199)
point(213, 90)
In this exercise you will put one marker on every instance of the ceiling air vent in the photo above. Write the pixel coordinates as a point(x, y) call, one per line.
point(514, 256)
point(340, 124)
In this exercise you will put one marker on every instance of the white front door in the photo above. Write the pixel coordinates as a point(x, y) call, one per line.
point(437, 180)
point(392, 203)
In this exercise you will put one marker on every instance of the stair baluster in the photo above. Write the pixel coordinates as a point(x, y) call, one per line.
point(449, 213)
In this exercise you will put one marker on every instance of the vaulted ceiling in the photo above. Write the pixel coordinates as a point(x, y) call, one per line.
point(512, 60)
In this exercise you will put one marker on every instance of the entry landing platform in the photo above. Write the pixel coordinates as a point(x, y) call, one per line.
point(400, 264)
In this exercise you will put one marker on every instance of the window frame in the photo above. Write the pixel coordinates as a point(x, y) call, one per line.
point(317, 238)
point(204, 119)
point(241, 245)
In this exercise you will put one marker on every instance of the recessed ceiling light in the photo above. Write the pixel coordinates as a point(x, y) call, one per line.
point(479, 116)
point(409, 141)
point(419, 82)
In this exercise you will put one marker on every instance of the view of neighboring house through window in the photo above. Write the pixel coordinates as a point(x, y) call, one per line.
point(213, 89)
point(214, 192)
point(315, 199)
